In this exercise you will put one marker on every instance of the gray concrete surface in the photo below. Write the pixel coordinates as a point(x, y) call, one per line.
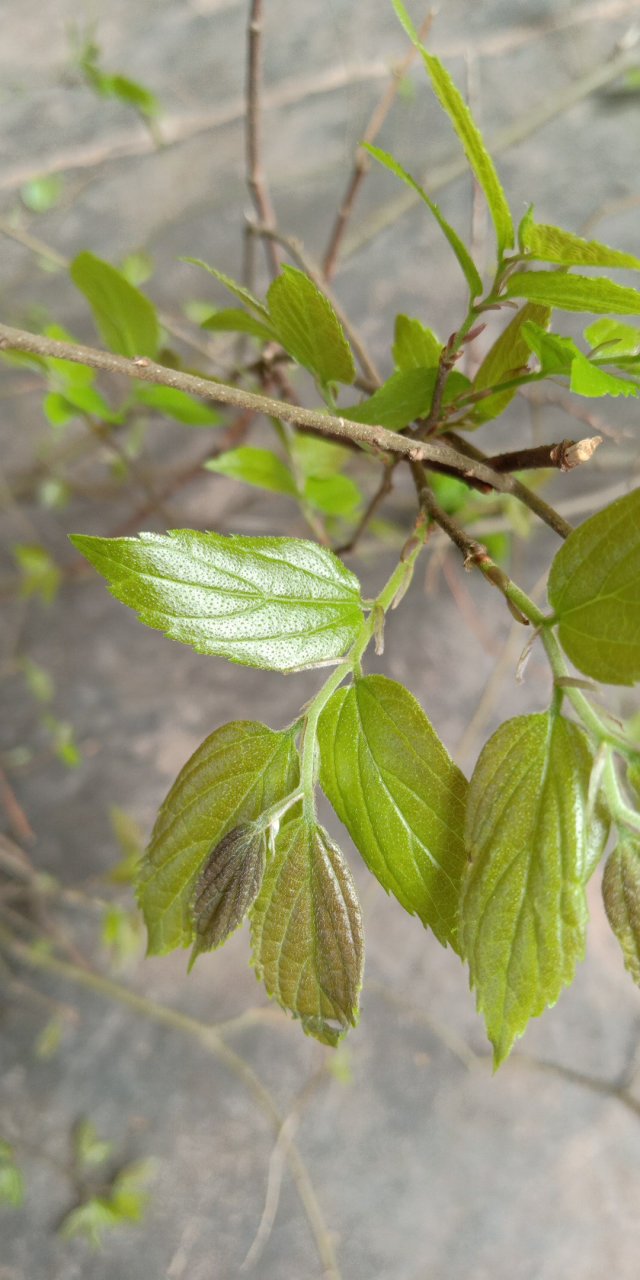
point(425, 1166)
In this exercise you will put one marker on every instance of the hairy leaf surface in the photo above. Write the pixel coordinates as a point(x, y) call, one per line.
point(401, 797)
point(125, 319)
point(277, 603)
point(523, 907)
point(573, 292)
point(306, 928)
point(621, 893)
point(227, 886)
point(594, 590)
point(238, 771)
point(308, 327)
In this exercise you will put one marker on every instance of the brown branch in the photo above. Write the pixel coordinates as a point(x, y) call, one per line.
point(362, 162)
point(564, 456)
point(529, 499)
point(256, 180)
point(376, 438)
point(384, 488)
point(16, 815)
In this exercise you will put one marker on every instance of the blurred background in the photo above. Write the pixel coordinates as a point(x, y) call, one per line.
point(399, 1156)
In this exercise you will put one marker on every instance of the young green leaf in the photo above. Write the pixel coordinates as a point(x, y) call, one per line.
point(258, 467)
point(308, 327)
point(400, 796)
point(11, 1179)
point(125, 319)
point(401, 399)
point(621, 893)
point(40, 574)
point(414, 346)
point(523, 906)
point(132, 93)
point(41, 194)
point(177, 404)
point(556, 354)
point(594, 591)
point(277, 603)
point(552, 244)
point(238, 771)
point(234, 320)
point(238, 290)
point(454, 105)
point(614, 338)
point(467, 264)
point(588, 380)
point(306, 930)
point(333, 495)
point(505, 359)
point(316, 457)
point(574, 293)
point(228, 885)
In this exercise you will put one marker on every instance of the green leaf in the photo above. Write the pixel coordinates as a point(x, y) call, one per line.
point(40, 574)
point(460, 116)
point(41, 194)
point(234, 320)
point(238, 290)
point(125, 319)
point(306, 931)
point(556, 354)
point(278, 603)
point(398, 402)
point(594, 591)
point(11, 1180)
point(137, 267)
point(90, 1220)
point(574, 293)
point(615, 338)
point(258, 467)
point(316, 457)
point(552, 244)
point(333, 495)
point(66, 373)
point(177, 404)
point(89, 1149)
point(308, 327)
point(130, 842)
point(523, 907)
point(400, 796)
point(132, 93)
point(227, 886)
point(621, 893)
point(507, 358)
point(414, 346)
point(465, 260)
point(589, 380)
point(128, 1198)
point(39, 681)
point(239, 771)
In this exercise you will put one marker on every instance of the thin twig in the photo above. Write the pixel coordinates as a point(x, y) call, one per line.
point(377, 438)
point(211, 1041)
point(362, 162)
point(256, 180)
point(564, 456)
point(16, 815)
point(384, 488)
point(519, 490)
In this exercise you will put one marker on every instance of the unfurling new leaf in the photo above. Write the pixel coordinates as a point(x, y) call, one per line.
point(228, 885)
point(524, 910)
point(237, 772)
point(594, 590)
point(279, 603)
point(306, 928)
point(621, 893)
point(401, 797)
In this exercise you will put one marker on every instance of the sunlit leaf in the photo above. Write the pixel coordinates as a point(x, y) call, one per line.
point(306, 930)
point(594, 591)
point(401, 797)
point(278, 603)
point(125, 319)
point(398, 402)
point(308, 327)
point(234, 320)
point(588, 380)
point(614, 338)
point(574, 293)
point(42, 194)
point(552, 244)
point(523, 907)
point(414, 346)
point(505, 360)
point(239, 291)
point(258, 467)
point(238, 771)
